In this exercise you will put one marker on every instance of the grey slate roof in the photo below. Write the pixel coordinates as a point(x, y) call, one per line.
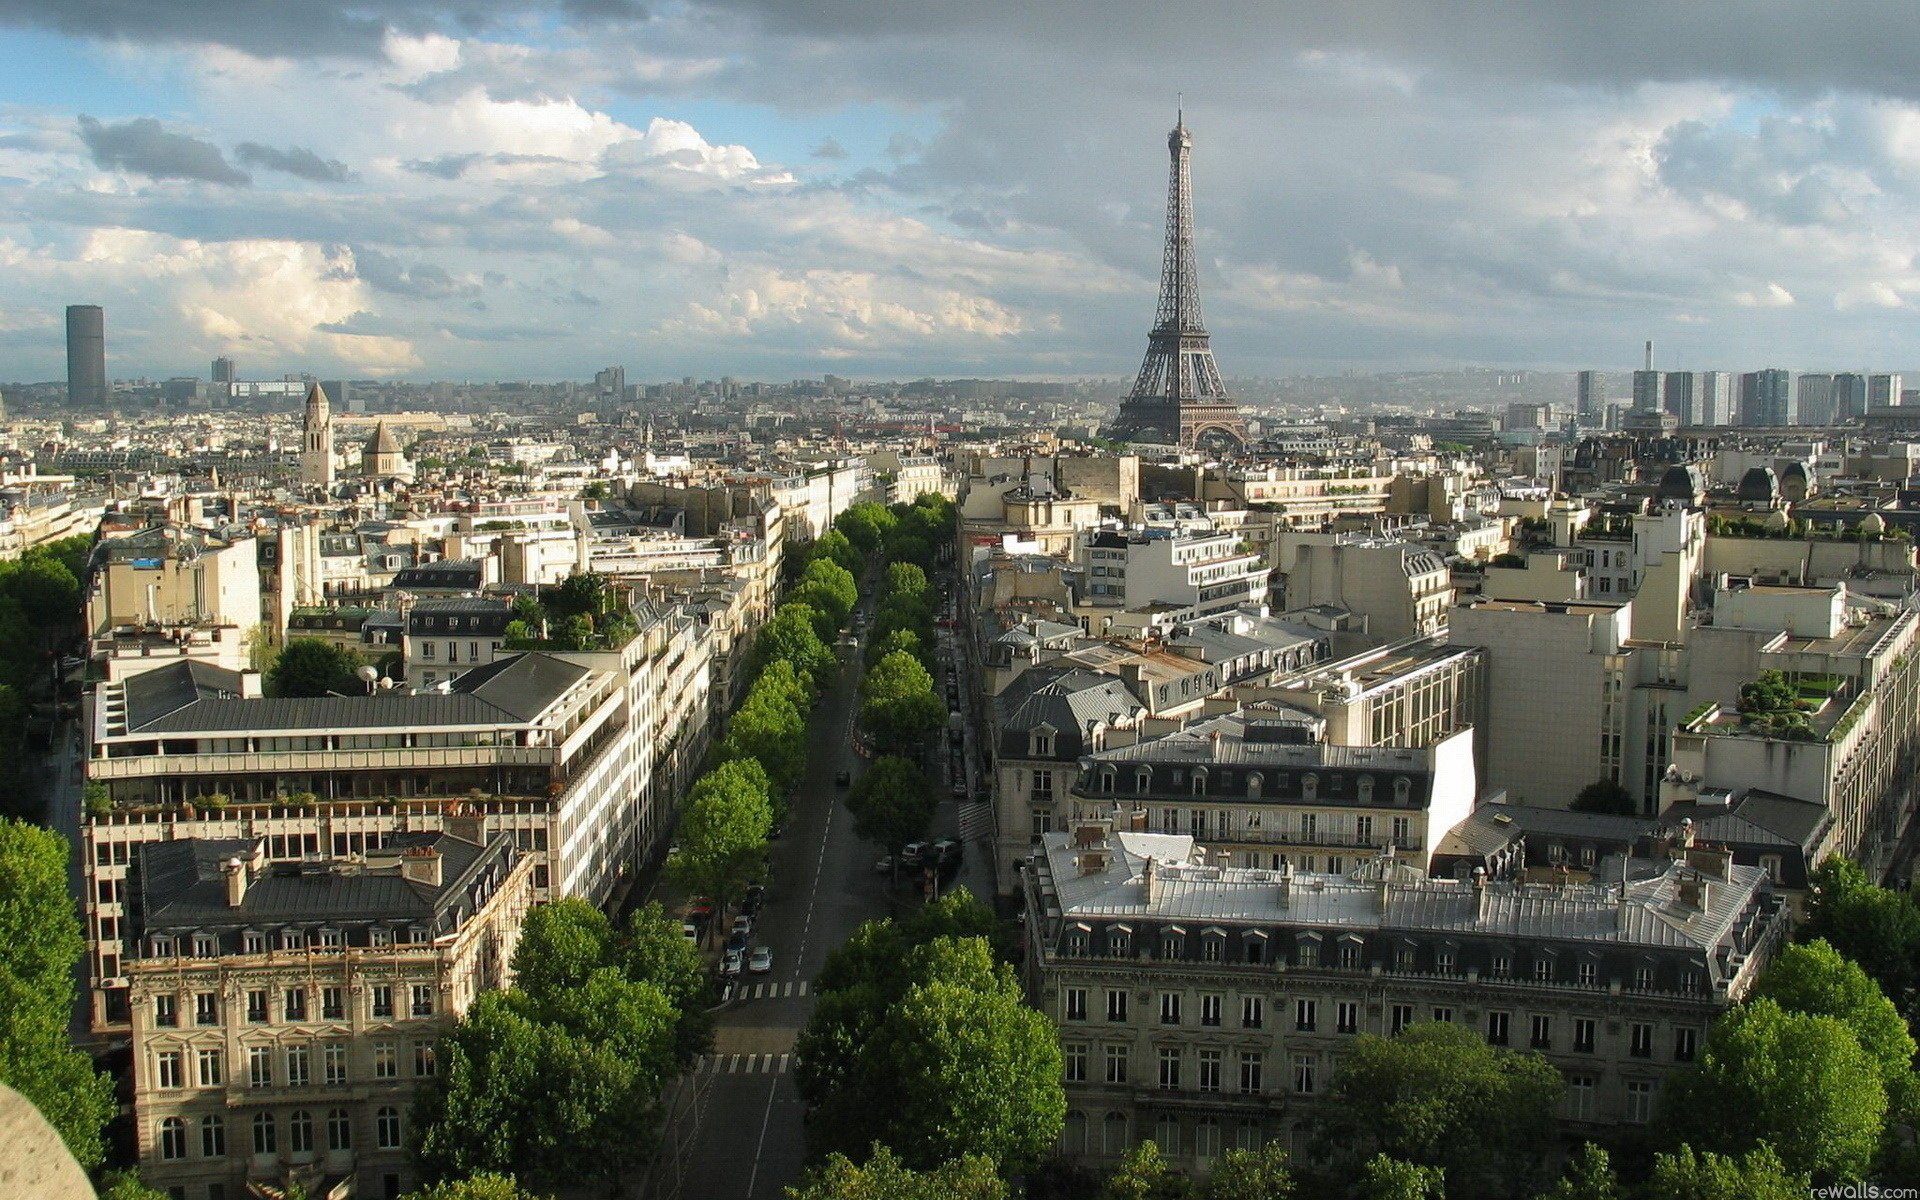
point(1065, 698)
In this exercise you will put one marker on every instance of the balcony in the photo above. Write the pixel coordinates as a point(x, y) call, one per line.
point(1318, 841)
point(419, 758)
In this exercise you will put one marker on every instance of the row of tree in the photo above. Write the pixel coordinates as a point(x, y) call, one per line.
point(39, 602)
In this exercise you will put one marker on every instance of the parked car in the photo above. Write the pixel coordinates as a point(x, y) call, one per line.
point(948, 851)
point(743, 926)
point(690, 931)
point(762, 960)
point(883, 864)
point(699, 908)
point(738, 942)
point(730, 965)
point(843, 778)
point(912, 853)
point(754, 900)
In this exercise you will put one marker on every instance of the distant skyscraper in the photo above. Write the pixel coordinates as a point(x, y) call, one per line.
point(339, 394)
point(1883, 391)
point(1646, 385)
point(1682, 397)
point(1766, 398)
point(1849, 396)
point(1815, 394)
point(223, 371)
point(1590, 397)
point(1715, 408)
point(1179, 396)
point(86, 354)
point(611, 383)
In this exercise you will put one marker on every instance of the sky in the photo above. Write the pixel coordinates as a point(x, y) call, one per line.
point(470, 189)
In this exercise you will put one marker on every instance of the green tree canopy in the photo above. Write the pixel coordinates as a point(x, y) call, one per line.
point(311, 667)
point(865, 525)
point(654, 951)
point(1261, 1174)
point(1589, 1176)
point(1439, 1096)
point(1604, 796)
point(1759, 1175)
point(1799, 1082)
point(1145, 1174)
point(1387, 1178)
point(771, 730)
point(892, 802)
point(583, 594)
point(41, 931)
point(789, 636)
point(723, 830)
point(561, 945)
point(835, 547)
point(885, 1177)
point(127, 1185)
point(1815, 979)
point(47, 589)
point(484, 1186)
point(905, 579)
point(1875, 927)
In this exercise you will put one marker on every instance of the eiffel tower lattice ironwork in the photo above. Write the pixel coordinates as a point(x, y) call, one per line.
point(1179, 397)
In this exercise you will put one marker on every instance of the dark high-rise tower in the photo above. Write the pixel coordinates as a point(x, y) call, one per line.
point(86, 355)
point(1179, 397)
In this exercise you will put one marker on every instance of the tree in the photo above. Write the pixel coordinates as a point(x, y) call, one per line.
point(1387, 1178)
point(865, 525)
point(46, 589)
point(937, 1058)
point(1685, 1175)
point(892, 803)
point(561, 945)
point(582, 594)
point(898, 706)
point(1604, 796)
point(97, 798)
point(1145, 1174)
point(834, 584)
point(1877, 928)
point(1814, 979)
point(1439, 1096)
point(311, 667)
point(127, 1185)
point(905, 579)
point(1260, 1174)
point(789, 636)
point(1801, 1083)
point(885, 1177)
point(835, 547)
point(41, 932)
point(484, 1186)
point(770, 730)
point(654, 951)
point(1589, 1176)
point(723, 830)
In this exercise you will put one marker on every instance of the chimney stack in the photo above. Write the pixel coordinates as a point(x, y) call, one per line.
point(236, 874)
point(1152, 882)
point(421, 864)
point(1479, 893)
point(1286, 884)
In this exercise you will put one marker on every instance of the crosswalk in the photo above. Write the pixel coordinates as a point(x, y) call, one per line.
point(743, 1064)
point(976, 821)
point(769, 991)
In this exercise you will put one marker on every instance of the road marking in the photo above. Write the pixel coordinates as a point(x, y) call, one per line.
point(761, 1147)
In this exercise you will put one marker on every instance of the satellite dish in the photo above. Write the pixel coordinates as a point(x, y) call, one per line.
point(368, 673)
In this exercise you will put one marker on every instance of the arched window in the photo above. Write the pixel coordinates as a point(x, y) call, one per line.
point(1364, 789)
point(1402, 787)
point(1199, 781)
point(1073, 1139)
point(386, 1126)
point(1143, 780)
point(300, 1131)
point(173, 1138)
point(264, 1139)
point(213, 1137)
point(1113, 1134)
point(1106, 785)
point(339, 1130)
point(1253, 783)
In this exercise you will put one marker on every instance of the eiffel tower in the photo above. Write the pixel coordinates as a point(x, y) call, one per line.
point(1179, 397)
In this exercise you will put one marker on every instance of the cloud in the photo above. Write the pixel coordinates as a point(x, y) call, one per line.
point(419, 281)
point(144, 147)
point(294, 160)
point(830, 149)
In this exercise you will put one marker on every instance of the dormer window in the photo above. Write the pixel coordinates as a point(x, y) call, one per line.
point(1253, 784)
point(204, 945)
point(1106, 780)
point(1119, 941)
point(1309, 787)
point(1040, 741)
point(1402, 788)
point(1143, 780)
point(1199, 782)
point(1364, 789)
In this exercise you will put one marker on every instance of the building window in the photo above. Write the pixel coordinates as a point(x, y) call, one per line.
point(167, 1069)
point(1583, 1034)
point(1206, 1139)
point(1347, 1016)
point(265, 1138)
point(1685, 1043)
point(1119, 945)
point(211, 1072)
point(253, 942)
point(1540, 1035)
point(333, 1061)
point(1304, 1012)
point(1116, 1064)
point(1210, 1009)
point(1308, 952)
point(386, 1124)
point(1640, 1044)
point(1639, 1101)
point(333, 1004)
point(1074, 1055)
point(1443, 961)
point(339, 1130)
point(1443, 1014)
point(1643, 978)
point(257, 1006)
point(299, 1063)
point(300, 1131)
point(1589, 973)
point(1075, 1004)
point(1169, 1069)
point(1169, 1008)
point(1116, 1004)
point(386, 1061)
point(422, 1000)
point(1210, 947)
point(1497, 1028)
point(1170, 945)
point(1580, 1089)
point(206, 1008)
point(166, 1012)
point(381, 999)
point(213, 1137)
point(1502, 965)
point(1252, 1065)
point(1350, 956)
point(1543, 969)
point(1077, 940)
point(1402, 1017)
point(425, 1062)
point(173, 1139)
point(1113, 1134)
point(259, 1066)
point(296, 1006)
point(1252, 1010)
point(1209, 1070)
point(1403, 833)
point(1303, 1065)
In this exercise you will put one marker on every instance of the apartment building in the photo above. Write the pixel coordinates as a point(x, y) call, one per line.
point(447, 638)
point(1195, 574)
point(174, 575)
point(1262, 787)
point(1399, 589)
point(1409, 694)
point(1207, 1007)
point(284, 1016)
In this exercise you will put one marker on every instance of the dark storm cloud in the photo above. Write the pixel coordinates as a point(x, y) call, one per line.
point(143, 146)
point(418, 281)
point(294, 160)
point(830, 149)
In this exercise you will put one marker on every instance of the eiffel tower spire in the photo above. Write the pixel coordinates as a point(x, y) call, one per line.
point(1179, 396)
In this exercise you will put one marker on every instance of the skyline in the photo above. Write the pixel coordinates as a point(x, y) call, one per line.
point(777, 191)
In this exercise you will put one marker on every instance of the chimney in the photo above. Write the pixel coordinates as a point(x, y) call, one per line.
point(1479, 893)
point(1383, 894)
point(467, 825)
point(421, 864)
point(1151, 880)
point(1286, 884)
point(1686, 833)
point(1649, 354)
point(236, 875)
point(1137, 820)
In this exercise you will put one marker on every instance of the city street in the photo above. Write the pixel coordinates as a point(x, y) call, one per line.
point(737, 1129)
